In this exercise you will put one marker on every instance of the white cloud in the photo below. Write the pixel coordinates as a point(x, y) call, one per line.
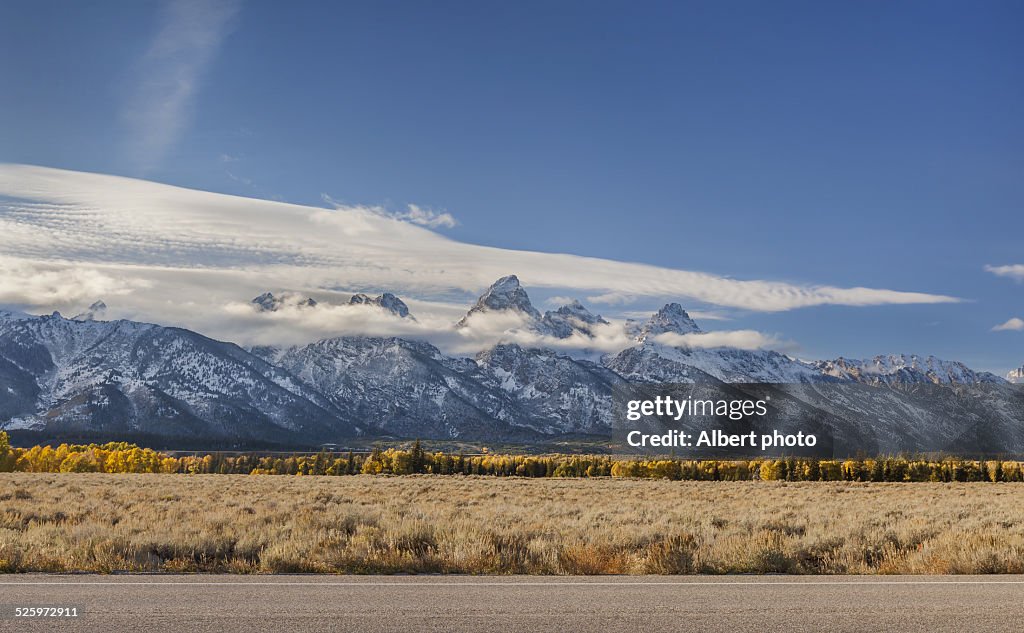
point(414, 214)
point(189, 253)
point(558, 301)
point(294, 325)
point(702, 315)
point(205, 301)
point(486, 329)
point(1013, 325)
point(188, 38)
point(55, 287)
point(740, 339)
point(614, 298)
point(426, 217)
point(1013, 271)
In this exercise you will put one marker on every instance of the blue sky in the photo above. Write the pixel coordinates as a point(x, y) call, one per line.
point(876, 144)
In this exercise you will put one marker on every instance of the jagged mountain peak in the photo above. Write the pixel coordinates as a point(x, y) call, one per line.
point(506, 284)
point(95, 312)
point(574, 308)
point(386, 301)
point(572, 317)
point(671, 318)
point(268, 302)
point(504, 295)
point(508, 295)
point(904, 368)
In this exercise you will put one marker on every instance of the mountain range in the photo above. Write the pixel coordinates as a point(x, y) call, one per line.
point(86, 377)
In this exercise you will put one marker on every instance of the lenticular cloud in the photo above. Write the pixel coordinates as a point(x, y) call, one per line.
point(167, 251)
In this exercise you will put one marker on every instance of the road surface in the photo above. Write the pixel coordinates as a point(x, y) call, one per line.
point(370, 604)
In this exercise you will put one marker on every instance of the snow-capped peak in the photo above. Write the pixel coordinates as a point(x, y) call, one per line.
point(671, 318)
point(387, 301)
point(95, 312)
point(570, 318)
point(506, 294)
point(267, 302)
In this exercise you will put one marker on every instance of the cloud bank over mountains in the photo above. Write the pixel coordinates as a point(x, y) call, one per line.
point(191, 258)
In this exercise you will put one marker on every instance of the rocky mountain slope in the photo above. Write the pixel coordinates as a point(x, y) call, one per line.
point(118, 379)
point(405, 388)
point(895, 369)
point(122, 378)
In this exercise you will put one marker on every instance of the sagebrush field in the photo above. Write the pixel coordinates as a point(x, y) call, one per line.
point(477, 525)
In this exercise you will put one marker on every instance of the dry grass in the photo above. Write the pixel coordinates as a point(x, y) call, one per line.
point(424, 524)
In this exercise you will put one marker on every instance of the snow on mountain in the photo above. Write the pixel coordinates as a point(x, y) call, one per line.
point(120, 378)
point(745, 366)
point(401, 387)
point(268, 302)
point(905, 369)
point(570, 319)
point(386, 301)
point(670, 318)
point(1016, 376)
point(410, 388)
point(554, 392)
point(95, 312)
point(504, 295)
point(652, 361)
point(644, 363)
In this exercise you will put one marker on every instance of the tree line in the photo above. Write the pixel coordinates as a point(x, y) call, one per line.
point(121, 457)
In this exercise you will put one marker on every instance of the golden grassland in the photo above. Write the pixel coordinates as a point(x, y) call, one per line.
point(485, 525)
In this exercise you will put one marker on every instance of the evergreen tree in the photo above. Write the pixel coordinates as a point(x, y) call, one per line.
point(418, 459)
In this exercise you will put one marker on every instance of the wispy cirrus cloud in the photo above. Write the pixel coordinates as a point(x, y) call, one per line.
point(1012, 325)
point(413, 214)
point(616, 298)
point(739, 339)
point(426, 217)
point(188, 37)
point(1013, 271)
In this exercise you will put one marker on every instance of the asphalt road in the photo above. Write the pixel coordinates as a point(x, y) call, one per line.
point(369, 604)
